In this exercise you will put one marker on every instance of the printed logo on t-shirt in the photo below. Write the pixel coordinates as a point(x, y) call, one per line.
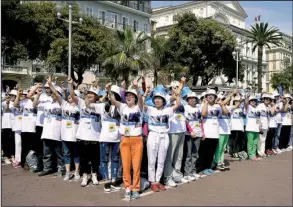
point(131, 117)
point(71, 113)
point(214, 113)
point(180, 110)
point(90, 112)
point(164, 119)
point(194, 116)
point(30, 111)
point(238, 114)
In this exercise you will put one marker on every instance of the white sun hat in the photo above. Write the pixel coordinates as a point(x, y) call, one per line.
point(273, 97)
point(133, 91)
point(191, 95)
point(13, 92)
point(287, 95)
point(275, 93)
point(159, 94)
point(175, 84)
point(57, 88)
point(237, 98)
point(24, 92)
point(211, 92)
point(77, 93)
point(202, 94)
point(265, 95)
point(252, 97)
point(94, 90)
point(116, 89)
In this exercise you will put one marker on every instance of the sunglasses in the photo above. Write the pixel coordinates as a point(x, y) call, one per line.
point(268, 99)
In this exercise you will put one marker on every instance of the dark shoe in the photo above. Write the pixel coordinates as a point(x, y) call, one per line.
point(107, 187)
point(221, 167)
point(43, 173)
point(115, 185)
point(155, 187)
point(226, 167)
point(161, 187)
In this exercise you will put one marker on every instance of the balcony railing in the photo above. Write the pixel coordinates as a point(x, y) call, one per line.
point(14, 69)
point(133, 5)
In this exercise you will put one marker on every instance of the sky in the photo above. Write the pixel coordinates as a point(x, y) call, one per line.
point(276, 13)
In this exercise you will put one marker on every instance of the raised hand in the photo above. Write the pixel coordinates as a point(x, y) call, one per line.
point(39, 91)
point(19, 91)
point(123, 84)
point(135, 84)
point(183, 79)
point(49, 79)
point(69, 81)
point(108, 86)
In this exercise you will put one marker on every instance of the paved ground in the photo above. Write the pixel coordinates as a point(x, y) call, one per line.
point(267, 183)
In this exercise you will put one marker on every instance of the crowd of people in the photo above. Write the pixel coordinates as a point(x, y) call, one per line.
point(168, 134)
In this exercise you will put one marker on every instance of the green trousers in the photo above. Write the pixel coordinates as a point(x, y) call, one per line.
point(220, 151)
point(252, 140)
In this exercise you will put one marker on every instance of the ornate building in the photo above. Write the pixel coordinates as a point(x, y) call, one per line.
point(230, 14)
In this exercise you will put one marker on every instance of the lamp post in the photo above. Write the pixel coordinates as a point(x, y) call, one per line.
point(70, 22)
point(237, 55)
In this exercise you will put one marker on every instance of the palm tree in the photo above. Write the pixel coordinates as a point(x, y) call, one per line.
point(260, 35)
point(129, 55)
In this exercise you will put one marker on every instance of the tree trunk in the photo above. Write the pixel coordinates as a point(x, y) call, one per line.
point(259, 68)
point(156, 77)
point(125, 77)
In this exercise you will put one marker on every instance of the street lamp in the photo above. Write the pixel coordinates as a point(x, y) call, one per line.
point(70, 21)
point(237, 55)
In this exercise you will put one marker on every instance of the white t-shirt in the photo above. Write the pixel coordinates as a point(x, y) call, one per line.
point(193, 116)
point(225, 121)
point(7, 117)
point(18, 115)
point(90, 123)
point(237, 123)
point(253, 119)
point(29, 117)
point(131, 120)
point(159, 120)
point(279, 106)
point(178, 121)
point(264, 115)
point(110, 123)
point(52, 122)
point(70, 121)
point(211, 122)
point(287, 117)
point(272, 119)
point(44, 100)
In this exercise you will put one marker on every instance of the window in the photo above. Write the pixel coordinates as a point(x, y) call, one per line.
point(125, 22)
point(274, 56)
point(247, 51)
point(89, 11)
point(145, 27)
point(135, 26)
point(114, 19)
point(166, 18)
point(267, 77)
point(102, 16)
point(274, 65)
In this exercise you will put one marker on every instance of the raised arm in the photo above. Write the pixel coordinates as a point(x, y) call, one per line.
point(36, 99)
point(178, 94)
point(111, 95)
point(6, 107)
point(139, 96)
point(33, 90)
point(147, 92)
point(59, 98)
point(227, 100)
point(16, 101)
point(71, 90)
point(204, 111)
point(246, 102)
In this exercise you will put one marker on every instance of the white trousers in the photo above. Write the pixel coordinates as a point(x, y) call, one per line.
point(262, 142)
point(17, 137)
point(157, 147)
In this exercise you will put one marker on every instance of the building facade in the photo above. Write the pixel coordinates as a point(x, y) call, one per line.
point(231, 15)
point(279, 57)
point(111, 14)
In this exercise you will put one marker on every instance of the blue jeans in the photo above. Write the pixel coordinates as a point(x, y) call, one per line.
point(277, 135)
point(105, 148)
point(70, 149)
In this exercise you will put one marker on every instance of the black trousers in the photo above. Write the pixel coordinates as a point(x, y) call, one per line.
point(28, 141)
point(270, 137)
point(284, 137)
point(53, 149)
point(8, 142)
point(89, 157)
point(144, 162)
point(236, 141)
point(39, 146)
point(206, 153)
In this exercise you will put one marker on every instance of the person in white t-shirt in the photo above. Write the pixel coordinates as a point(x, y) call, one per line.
point(272, 128)
point(211, 111)
point(131, 146)
point(264, 110)
point(41, 100)
point(192, 112)
point(109, 138)
point(158, 140)
point(88, 135)
point(225, 129)
point(7, 135)
point(252, 126)
point(28, 126)
point(286, 123)
point(51, 134)
point(279, 109)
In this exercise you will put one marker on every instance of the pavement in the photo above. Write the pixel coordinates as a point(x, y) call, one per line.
point(264, 183)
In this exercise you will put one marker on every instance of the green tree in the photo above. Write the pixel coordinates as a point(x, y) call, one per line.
point(261, 35)
point(203, 47)
point(129, 55)
point(283, 78)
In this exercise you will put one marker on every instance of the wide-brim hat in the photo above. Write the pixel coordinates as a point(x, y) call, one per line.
point(116, 89)
point(287, 95)
point(211, 92)
point(175, 84)
point(13, 92)
point(252, 98)
point(161, 95)
point(192, 95)
point(133, 91)
point(266, 96)
point(275, 93)
point(58, 89)
point(94, 90)
point(77, 93)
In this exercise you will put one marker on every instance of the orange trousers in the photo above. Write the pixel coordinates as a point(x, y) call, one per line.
point(131, 149)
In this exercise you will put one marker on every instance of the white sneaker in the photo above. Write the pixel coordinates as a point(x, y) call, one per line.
point(197, 176)
point(190, 178)
point(283, 150)
point(6, 160)
point(67, 176)
point(171, 183)
point(76, 176)
point(278, 151)
point(85, 180)
point(183, 180)
point(95, 179)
